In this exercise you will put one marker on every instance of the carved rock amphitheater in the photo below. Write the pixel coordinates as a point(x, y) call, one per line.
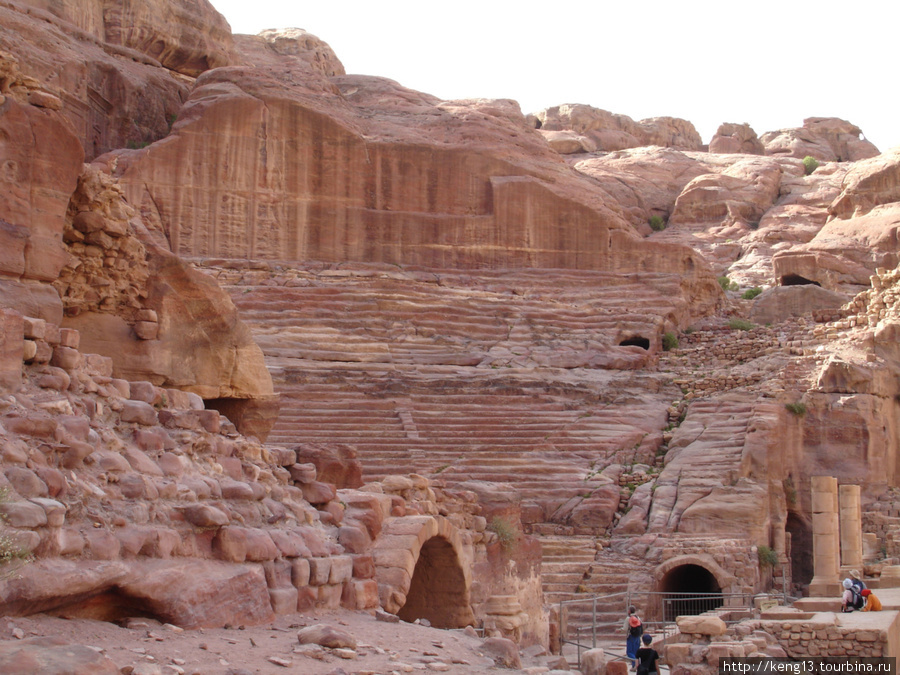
point(278, 338)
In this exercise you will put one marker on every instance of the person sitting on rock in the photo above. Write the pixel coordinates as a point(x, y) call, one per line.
point(856, 580)
point(850, 600)
point(647, 657)
point(873, 604)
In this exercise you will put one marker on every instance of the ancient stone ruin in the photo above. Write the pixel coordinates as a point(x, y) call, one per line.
point(279, 339)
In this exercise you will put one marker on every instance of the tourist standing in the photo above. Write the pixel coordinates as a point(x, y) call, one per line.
point(634, 628)
point(647, 657)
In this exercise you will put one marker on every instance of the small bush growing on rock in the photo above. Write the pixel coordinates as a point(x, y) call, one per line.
point(506, 533)
point(669, 342)
point(727, 284)
point(741, 324)
point(767, 556)
point(810, 164)
point(798, 408)
point(12, 555)
point(657, 224)
point(751, 293)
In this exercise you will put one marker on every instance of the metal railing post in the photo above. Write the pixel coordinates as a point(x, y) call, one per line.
point(594, 623)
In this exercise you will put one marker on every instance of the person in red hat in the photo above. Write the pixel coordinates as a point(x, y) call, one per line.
point(873, 604)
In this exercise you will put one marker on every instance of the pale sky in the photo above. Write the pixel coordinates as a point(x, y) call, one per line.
point(767, 63)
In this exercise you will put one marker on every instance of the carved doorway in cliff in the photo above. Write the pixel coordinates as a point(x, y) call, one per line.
point(801, 549)
point(437, 591)
point(689, 589)
point(635, 341)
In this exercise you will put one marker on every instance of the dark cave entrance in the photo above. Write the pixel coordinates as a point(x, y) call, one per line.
point(801, 549)
point(111, 605)
point(687, 590)
point(438, 588)
point(797, 280)
point(636, 341)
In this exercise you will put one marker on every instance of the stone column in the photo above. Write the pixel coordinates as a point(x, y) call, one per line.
point(12, 330)
point(826, 538)
point(851, 527)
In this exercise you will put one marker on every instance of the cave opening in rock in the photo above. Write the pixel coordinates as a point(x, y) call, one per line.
point(635, 341)
point(111, 605)
point(438, 588)
point(689, 589)
point(797, 280)
point(801, 549)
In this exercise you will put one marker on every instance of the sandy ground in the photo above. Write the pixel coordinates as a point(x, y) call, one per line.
point(382, 648)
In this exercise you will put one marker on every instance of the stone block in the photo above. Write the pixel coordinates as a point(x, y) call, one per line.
point(32, 328)
point(26, 482)
point(360, 594)
point(232, 467)
point(303, 473)
point(146, 392)
point(319, 571)
point(291, 544)
point(341, 569)
point(307, 596)
point(56, 512)
point(66, 358)
point(300, 572)
point(363, 566)
point(69, 337)
point(204, 515)
point(141, 462)
point(354, 539)
point(330, 596)
point(284, 600)
point(318, 493)
point(138, 412)
point(23, 514)
point(701, 625)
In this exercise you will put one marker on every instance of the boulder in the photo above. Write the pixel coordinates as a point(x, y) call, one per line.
point(827, 139)
point(326, 636)
point(53, 656)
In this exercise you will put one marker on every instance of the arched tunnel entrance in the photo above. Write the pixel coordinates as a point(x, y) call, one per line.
point(797, 280)
point(438, 588)
point(687, 590)
point(635, 341)
point(801, 549)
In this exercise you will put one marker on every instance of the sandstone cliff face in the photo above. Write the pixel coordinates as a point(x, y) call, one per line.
point(111, 96)
point(360, 169)
point(187, 37)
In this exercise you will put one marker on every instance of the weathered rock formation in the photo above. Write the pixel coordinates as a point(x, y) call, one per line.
point(825, 138)
point(575, 128)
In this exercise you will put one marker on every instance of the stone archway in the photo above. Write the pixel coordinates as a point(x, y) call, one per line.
point(423, 571)
point(690, 584)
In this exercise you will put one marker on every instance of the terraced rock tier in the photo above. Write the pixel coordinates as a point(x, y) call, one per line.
point(516, 377)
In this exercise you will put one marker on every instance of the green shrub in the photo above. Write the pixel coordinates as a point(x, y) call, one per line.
point(810, 164)
point(727, 284)
point(506, 533)
point(669, 342)
point(12, 555)
point(741, 324)
point(767, 556)
point(657, 224)
point(751, 293)
point(798, 408)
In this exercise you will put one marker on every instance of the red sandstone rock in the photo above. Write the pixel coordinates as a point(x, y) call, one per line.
point(736, 138)
point(826, 138)
point(52, 656)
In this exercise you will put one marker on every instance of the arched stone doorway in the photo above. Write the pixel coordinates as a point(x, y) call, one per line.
point(801, 548)
point(422, 571)
point(690, 585)
point(437, 591)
